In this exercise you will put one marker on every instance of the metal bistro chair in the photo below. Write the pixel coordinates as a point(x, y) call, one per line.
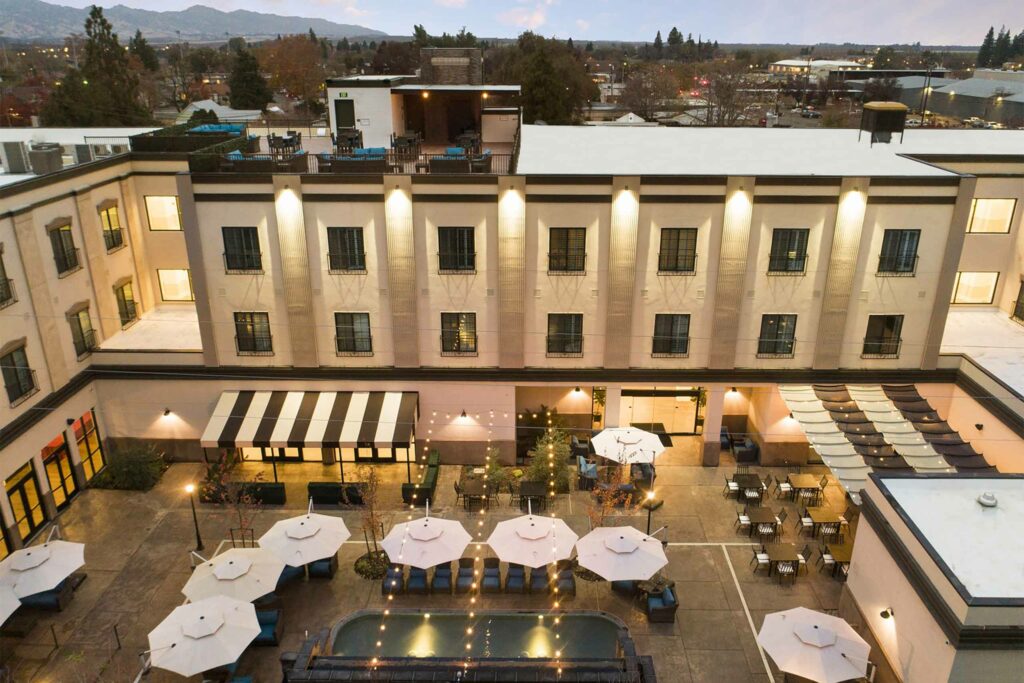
point(731, 488)
point(825, 560)
point(786, 569)
point(783, 489)
point(742, 520)
point(514, 497)
point(458, 491)
point(760, 560)
point(803, 556)
point(804, 522)
point(753, 495)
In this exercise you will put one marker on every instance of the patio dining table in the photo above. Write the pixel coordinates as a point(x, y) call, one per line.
point(474, 490)
point(760, 515)
point(780, 552)
point(842, 553)
point(747, 480)
point(820, 515)
point(534, 493)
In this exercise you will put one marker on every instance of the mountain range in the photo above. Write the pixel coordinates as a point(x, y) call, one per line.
point(43, 21)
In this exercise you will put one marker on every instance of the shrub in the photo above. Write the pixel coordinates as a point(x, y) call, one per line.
point(136, 468)
point(543, 468)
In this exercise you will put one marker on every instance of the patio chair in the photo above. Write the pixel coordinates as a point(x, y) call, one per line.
point(53, 600)
point(767, 531)
point(759, 560)
point(565, 580)
point(731, 488)
point(271, 627)
point(804, 522)
point(458, 490)
point(803, 556)
point(624, 587)
point(464, 580)
point(785, 570)
point(753, 495)
point(830, 532)
point(491, 581)
point(767, 482)
point(825, 560)
point(661, 607)
point(442, 581)
point(417, 582)
point(742, 520)
point(514, 497)
point(540, 581)
point(783, 489)
point(393, 582)
point(780, 520)
point(323, 569)
point(587, 473)
point(515, 579)
point(288, 575)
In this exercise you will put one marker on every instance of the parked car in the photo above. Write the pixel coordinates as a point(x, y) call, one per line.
point(810, 114)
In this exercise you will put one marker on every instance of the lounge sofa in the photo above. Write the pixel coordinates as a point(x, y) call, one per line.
point(54, 600)
point(270, 627)
point(661, 607)
point(419, 494)
point(748, 451)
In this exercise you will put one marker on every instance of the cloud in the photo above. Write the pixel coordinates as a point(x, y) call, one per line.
point(451, 4)
point(350, 8)
point(526, 17)
point(583, 24)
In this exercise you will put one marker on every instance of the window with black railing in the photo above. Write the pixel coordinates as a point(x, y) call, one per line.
point(789, 251)
point(7, 293)
point(567, 250)
point(65, 254)
point(883, 336)
point(345, 250)
point(678, 251)
point(242, 250)
point(899, 253)
point(252, 334)
point(82, 334)
point(458, 334)
point(113, 234)
point(565, 334)
point(126, 309)
point(456, 250)
point(778, 336)
point(1018, 306)
point(352, 334)
point(19, 378)
point(671, 334)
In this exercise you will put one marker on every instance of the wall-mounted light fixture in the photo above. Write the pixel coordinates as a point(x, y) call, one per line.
point(463, 413)
point(577, 390)
point(791, 416)
point(887, 613)
point(167, 411)
point(733, 390)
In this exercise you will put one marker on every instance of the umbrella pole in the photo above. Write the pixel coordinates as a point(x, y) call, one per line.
point(309, 510)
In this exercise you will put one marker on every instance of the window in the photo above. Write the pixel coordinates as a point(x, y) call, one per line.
point(113, 234)
point(7, 296)
point(899, 252)
point(59, 473)
point(176, 285)
point(789, 251)
point(26, 503)
point(65, 254)
point(163, 213)
point(126, 304)
point(974, 288)
point(991, 215)
point(678, 252)
point(565, 334)
point(252, 334)
point(671, 334)
point(1018, 306)
point(352, 334)
point(567, 250)
point(242, 250)
point(777, 337)
point(345, 249)
point(458, 334)
point(90, 449)
point(456, 250)
point(19, 378)
point(82, 333)
point(883, 337)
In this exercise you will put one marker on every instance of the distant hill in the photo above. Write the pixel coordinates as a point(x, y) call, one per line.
point(38, 20)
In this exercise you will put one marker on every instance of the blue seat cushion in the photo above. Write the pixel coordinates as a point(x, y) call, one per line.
point(514, 581)
point(235, 155)
point(655, 602)
point(454, 151)
point(668, 597)
point(266, 633)
point(266, 617)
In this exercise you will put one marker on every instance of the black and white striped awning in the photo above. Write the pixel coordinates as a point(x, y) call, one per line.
point(314, 419)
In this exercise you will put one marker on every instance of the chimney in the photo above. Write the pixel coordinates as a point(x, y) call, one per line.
point(882, 119)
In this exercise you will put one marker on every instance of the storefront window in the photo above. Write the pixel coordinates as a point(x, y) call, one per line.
point(89, 448)
point(26, 503)
point(59, 473)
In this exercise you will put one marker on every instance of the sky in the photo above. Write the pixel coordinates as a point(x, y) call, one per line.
point(728, 21)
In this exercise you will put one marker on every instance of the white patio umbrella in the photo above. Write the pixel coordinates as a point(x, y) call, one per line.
point(9, 603)
point(203, 635)
point(426, 542)
point(241, 573)
point(814, 645)
point(304, 539)
point(532, 540)
point(627, 445)
point(40, 568)
point(621, 553)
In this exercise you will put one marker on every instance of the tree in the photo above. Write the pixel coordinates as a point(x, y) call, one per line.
point(985, 52)
point(394, 57)
point(1001, 50)
point(590, 46)
point(236, 44)
point(294, 66)
point(675, 43)
point(139, 47)
point(885, 58)
point(203, 60)
point(372, 519)
point(647, 88)
point(249, 89)
point(659, 46)
point(178, 75)
point(881, 90)
point(726, 97)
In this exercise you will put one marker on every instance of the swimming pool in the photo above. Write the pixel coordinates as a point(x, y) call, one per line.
point(506, 634)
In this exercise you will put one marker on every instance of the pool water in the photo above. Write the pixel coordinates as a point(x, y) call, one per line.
point(493, 635)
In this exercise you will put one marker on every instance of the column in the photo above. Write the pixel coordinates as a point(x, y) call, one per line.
point(842, 269)
point(732, 271)
point(947, 271)
point(621, 271)
point(612, 406)
point(197, 267)
point(713, 408)
point(511, 270)
point(402, 270)
point(298, 292)
point(45, 493)
point(95, 252)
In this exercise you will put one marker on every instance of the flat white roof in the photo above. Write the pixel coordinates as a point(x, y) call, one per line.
point(610, 150)
point(982, 547)
point(68, 136)
point(456, 88)
point(990, 338)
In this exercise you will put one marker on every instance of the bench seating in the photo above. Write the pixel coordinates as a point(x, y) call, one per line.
point(419, 494)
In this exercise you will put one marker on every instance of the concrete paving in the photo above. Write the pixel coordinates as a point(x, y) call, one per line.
point(137, 559)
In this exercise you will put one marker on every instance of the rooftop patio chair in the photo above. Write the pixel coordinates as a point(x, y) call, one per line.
point(760, 560)
point(731, 488)
point(825, 560)
point(442, 581)
point(786, 570)
point(393, 582)
point(565, 579)
point(465, 579)
point(271, 627)
point(661, 607)
point(783, 489)
point(325, 568)
point(290, 574)
point(742, 520)
point(515, 579)
point(803, 556)
point(540, 581)
point(417, 582)
point(491, 581)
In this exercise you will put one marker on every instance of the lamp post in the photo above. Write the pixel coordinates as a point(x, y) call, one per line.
point(190, 490)
point(651, 505)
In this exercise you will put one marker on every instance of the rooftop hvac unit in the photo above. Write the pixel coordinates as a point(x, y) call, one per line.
point(45, 157)
point(882, 119)
point(83, 153)
point(14, 157)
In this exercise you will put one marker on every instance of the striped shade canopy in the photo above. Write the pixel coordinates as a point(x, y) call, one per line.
point(313, 419)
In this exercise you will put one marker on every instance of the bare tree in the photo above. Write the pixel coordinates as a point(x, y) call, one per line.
point(648, 88)
point(606, 498)
point(372, 518)
point(727, 96)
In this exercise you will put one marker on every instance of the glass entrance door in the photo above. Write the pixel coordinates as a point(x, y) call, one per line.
point(26, 503)
point(59, 473)
point(675, 412)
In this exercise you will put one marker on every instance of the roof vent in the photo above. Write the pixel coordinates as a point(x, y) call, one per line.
point(988, 500)
point(882, 119)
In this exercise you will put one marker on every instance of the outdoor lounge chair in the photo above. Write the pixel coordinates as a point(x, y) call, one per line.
point(464, 580)
point(288, 575)
point(442, 581)
point(661, 607)
point(515, 579)
point(393, 581)
point(540, 582)
point(624, 587)
point(565, 580)
point(323, 569)
point(491, 582)
point(270, 627)
point(588, 473)
point(53, 600)
point(417, 581)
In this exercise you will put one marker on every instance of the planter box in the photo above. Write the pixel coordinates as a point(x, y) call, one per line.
point(267, 493)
